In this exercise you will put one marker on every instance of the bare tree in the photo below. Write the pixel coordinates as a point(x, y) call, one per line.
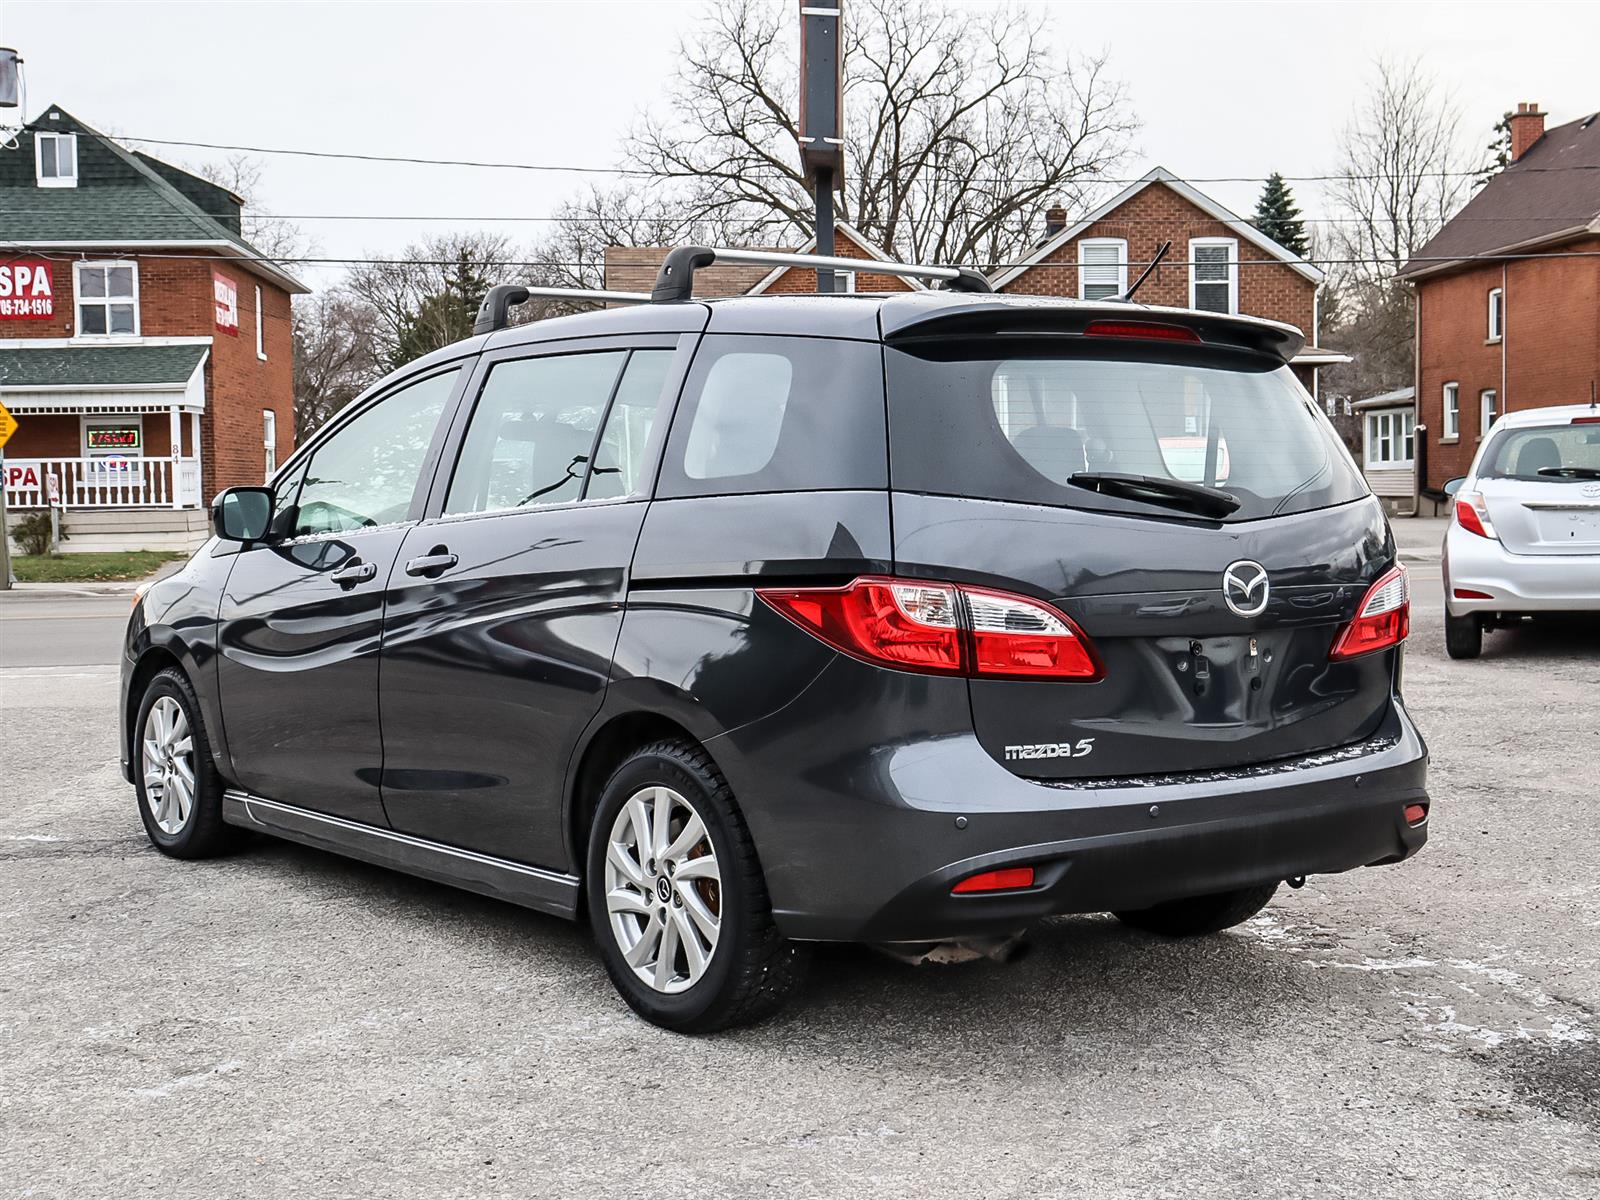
point(961, 128)
point(278, 239)
point(335, 357)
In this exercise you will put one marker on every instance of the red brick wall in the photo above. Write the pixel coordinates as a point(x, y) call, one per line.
point(1154, 215)
point(799, 281)
point(1551, 348)
point(60, 435)
point(176, 300)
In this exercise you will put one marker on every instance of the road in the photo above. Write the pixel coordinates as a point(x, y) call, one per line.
point(284, 1022)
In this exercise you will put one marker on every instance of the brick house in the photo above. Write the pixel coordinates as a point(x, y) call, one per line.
point(633, 269)
point(1218, 261)
point(145, 346)
point(1508, 306)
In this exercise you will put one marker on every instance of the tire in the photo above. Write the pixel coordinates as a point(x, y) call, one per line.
point(194, 830)
point(1463, 636)
point(1198, 915)
point(750, 968)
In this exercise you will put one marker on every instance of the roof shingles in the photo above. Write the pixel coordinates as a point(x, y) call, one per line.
point(98, 366)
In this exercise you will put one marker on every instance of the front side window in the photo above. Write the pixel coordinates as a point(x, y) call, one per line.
point(1213, 274)
point(1496, 313)
point(1102, 268)
point(1452, 410)
point(532, 432)
point(366, 472)
point(56, 158)
point(768, 414)
point(108, 299)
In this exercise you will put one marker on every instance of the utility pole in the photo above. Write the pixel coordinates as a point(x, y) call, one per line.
point(822, 116)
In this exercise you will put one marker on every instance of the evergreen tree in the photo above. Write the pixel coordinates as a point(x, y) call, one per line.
point(1278, 216)
point(1499, 151)
point(445, 316)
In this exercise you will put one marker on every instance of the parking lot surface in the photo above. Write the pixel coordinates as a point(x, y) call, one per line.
point(284, 1022)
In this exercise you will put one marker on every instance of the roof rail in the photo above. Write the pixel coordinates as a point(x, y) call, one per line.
point(676, 280)
point(494, 312)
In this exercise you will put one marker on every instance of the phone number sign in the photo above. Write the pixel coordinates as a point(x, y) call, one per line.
point(27, 290)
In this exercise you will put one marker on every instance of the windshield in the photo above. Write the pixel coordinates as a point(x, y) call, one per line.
point(1544, 452)
point(1020, 427)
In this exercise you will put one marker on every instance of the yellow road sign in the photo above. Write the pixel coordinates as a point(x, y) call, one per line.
point(8, 425)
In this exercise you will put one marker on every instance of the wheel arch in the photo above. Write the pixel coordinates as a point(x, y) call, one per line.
point(160, 651)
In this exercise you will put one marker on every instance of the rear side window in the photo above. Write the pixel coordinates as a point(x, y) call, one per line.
point(767, 414)
point(1020, 427)
point(1544, 452)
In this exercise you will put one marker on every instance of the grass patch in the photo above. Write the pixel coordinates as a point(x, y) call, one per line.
point(89, 568)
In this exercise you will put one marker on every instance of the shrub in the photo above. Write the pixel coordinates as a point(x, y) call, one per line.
point(32, 533)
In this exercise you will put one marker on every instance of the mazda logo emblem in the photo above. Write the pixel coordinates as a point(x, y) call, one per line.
point(1245, 588)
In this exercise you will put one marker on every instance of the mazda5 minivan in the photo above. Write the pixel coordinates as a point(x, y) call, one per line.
point(738, 625)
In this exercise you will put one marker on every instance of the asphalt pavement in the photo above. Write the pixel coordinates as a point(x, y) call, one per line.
point(284, 1022)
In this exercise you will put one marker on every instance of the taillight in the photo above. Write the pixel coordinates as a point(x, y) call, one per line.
point(1472, 514)
point(1383, 620)
point(941, 629)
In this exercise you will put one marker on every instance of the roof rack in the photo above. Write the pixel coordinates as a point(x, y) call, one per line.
point(675, 282)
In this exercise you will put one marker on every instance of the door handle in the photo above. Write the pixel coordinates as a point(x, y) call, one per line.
point(435, 562)
point(353, 573)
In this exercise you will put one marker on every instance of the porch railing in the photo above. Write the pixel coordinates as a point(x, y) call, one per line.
point(129, 482)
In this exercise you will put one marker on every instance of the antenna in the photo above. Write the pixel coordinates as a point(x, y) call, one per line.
point(1145, 274)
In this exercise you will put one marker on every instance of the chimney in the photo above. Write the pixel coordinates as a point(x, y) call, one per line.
point(1527, 127)
point(1055, 220)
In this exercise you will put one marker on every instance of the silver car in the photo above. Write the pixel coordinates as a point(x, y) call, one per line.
point(1525, 532)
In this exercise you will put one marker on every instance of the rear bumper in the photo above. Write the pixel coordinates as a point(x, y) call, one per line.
point(1516, 583)
point(879, 866)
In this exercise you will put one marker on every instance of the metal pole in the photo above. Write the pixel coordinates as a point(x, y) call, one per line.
point(6, 579)
point(824, 186)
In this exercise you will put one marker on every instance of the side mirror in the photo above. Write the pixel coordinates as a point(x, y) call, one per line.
point(1452, 486)
point(242, 514)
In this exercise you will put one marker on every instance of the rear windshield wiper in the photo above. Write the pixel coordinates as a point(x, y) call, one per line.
point(1572, 472)
point(1155, 489)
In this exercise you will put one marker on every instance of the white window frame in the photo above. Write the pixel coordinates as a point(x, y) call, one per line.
point(261, 332)
point(1121, 245)
point(1497, 314)
point(1450, 406)
point(58, 180)
point(1233, 269)
point(1395, 426)
point(85, 423)
point(78, 299)
point(843, 282)
point(1488, 409)
point(269, 441)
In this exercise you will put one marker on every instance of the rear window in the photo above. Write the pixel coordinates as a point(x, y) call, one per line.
point(1544, 452)
point(769, 414)
point(1019, 427)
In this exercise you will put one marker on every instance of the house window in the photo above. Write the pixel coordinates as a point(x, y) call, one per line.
point(1391, 438)
point(56, 159)
point(1214, 274)
point(1496, 313)
point(269, 440)
point(844, 281)
point(1452, 412)
point(108, 298)
point(1102, 268)
point(261, 333)
point(1487, 401)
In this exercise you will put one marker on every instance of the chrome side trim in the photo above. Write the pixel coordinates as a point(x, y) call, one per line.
point(517, 883)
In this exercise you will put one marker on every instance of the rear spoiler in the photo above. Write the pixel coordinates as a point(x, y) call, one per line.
point(915, 319)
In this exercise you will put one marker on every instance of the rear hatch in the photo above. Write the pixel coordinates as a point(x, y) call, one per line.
point(1011, 458)
point(1541, 484)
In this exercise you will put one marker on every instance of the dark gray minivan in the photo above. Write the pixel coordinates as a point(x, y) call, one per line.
point(742, 624)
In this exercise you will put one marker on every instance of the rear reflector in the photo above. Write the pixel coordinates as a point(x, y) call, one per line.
point(1416, 814)
point(1383, 619)
point(1140, 329)
point(1470, 594)
point(1472, 514)
point(1007, 879)
point(941, 629)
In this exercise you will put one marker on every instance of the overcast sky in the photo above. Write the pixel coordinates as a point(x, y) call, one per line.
point(1232, 89)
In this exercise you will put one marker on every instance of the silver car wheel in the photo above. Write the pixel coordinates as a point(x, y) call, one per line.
point(168, 764)
point(663, 889)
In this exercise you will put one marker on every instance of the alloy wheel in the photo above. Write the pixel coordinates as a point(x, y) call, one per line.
point(168, 762)
point(663, 889)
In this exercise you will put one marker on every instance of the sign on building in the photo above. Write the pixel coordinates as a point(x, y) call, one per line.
point(27, 290)
point(226, 294)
